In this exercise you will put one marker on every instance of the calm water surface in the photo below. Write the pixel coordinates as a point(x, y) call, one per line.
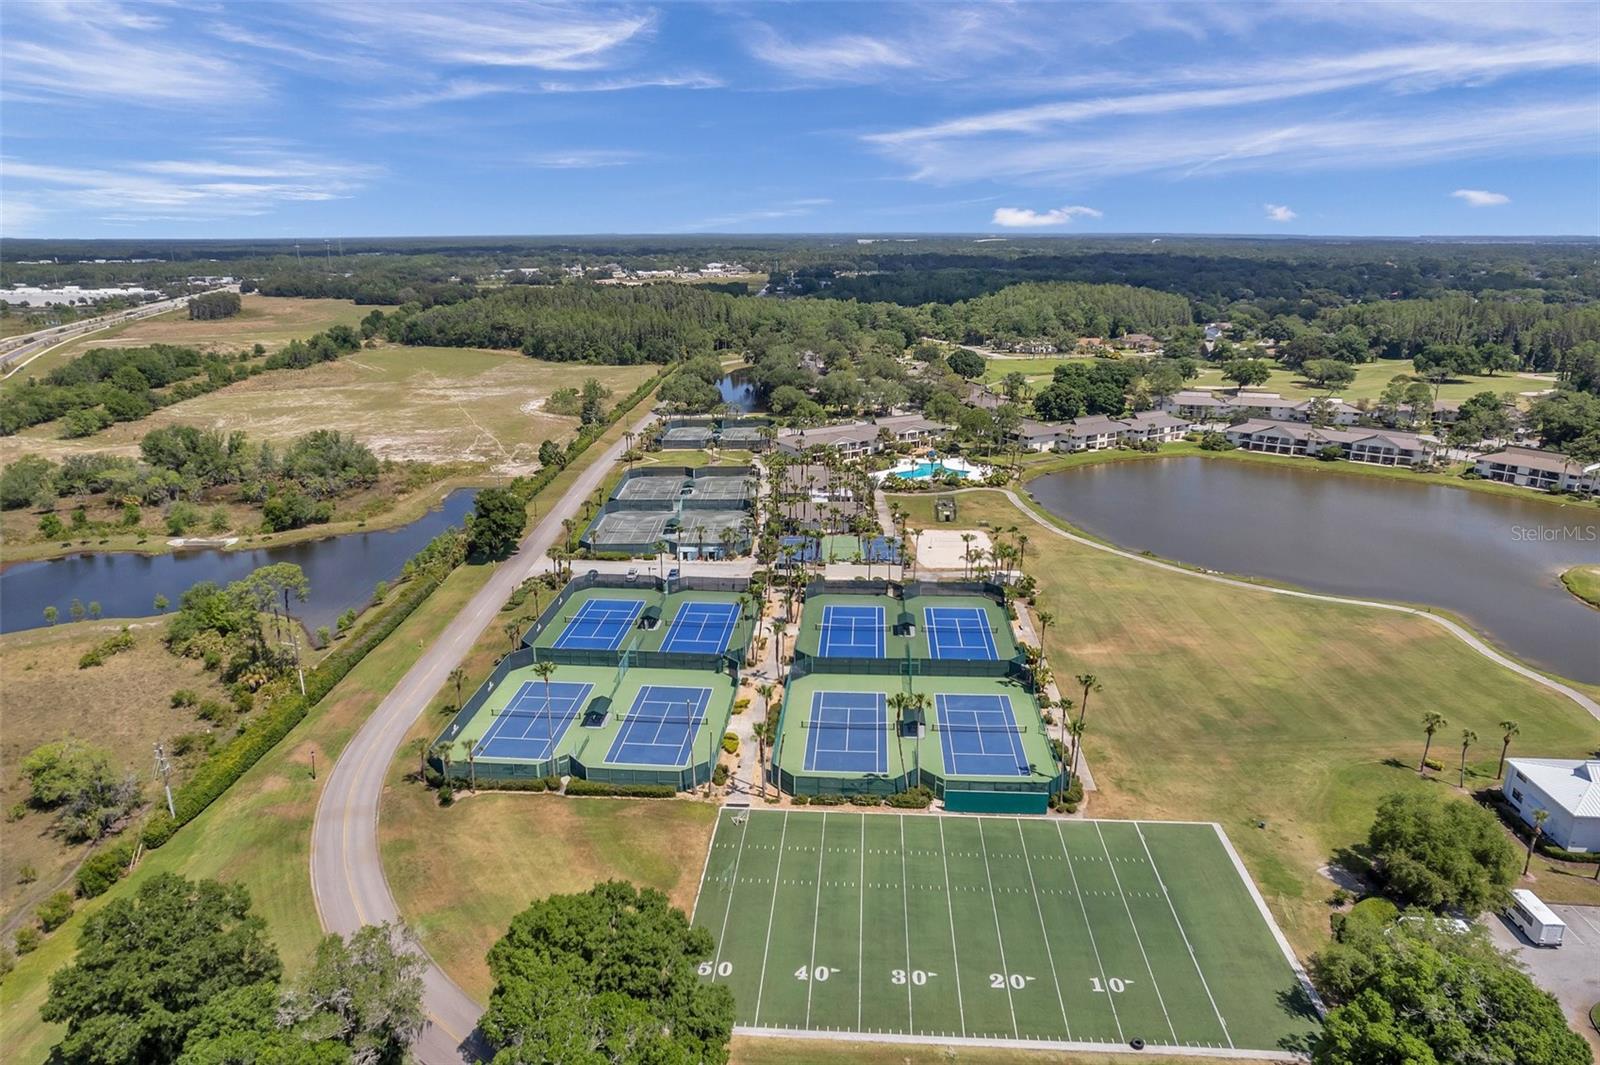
point(737, 391)
point(342, 571)
point(1494, 560)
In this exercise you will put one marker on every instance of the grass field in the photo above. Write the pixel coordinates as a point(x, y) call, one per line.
point(123, 706)
point(266, 320)
point(1232, 705)
point(1011, 929)
point(767, 1050)
point(437, 405)
point(1583, 582)
point(259, 833)
point(1371, 378)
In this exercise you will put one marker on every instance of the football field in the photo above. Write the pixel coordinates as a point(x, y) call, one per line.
point(1039, 931)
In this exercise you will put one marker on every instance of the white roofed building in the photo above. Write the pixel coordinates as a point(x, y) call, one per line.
point(1568, 789)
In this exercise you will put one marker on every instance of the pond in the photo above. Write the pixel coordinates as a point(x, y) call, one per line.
point(738, 392)
point(342, 572)
point(1495, 560)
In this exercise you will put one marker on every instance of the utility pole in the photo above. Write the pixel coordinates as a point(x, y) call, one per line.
point(164, 771)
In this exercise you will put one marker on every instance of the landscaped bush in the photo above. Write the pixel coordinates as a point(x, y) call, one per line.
point(917, 798)
point(101, 870)
point(730, 743)
point(54, 911)
point(633, 791)
point(866, 800)
point(719, 775)
point(218, 772)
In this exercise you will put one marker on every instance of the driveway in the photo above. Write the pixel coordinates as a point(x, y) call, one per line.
point(1570, 972)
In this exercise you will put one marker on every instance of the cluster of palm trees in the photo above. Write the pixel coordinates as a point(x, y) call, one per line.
point(999, 558)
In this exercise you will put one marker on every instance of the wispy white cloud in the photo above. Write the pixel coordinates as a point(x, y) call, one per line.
point(1481, 198)
point(624, 84)
point(106, 52)
point(582, 158)
point(187, 189)
point(540, 36)
point(1277, 212)
point(1257, 142)
point(789, 209)
point(1024, 217)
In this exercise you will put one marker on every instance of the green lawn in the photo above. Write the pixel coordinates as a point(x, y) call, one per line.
point(259, 833)
point(1238, 706)
point(1584, 582)
point(1369, 383)
point(994, 928)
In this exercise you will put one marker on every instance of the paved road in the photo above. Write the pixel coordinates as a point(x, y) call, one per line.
point(21, 351)
point(346, 871)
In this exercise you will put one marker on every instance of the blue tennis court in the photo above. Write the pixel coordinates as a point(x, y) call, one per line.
point(959, 632)
point(534, 721)
point(851, 632)
point(600, 624)
point(847, 733)
point(701, 628)
point(980, 737)
point(660, 728)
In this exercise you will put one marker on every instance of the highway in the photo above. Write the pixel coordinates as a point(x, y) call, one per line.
point(347, 875)
point(16, 352)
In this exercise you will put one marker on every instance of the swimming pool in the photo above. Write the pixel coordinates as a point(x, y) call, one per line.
point(922, 471)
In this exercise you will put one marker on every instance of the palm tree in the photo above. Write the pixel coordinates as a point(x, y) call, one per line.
point(1508, 729)
point(472, 768)
point(1432, 722)
point(512, 631)
point(1539, 818)
point(1468, 738)
point(1046, 619)
point(1066, 723)
point(1089, 683)
point(457, 675)
point(777, 639)
point(443, 749)
point(1076, 729)
point(967, 538)
point(544, 671)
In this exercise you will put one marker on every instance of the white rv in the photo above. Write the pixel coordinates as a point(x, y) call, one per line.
point(1537, 921)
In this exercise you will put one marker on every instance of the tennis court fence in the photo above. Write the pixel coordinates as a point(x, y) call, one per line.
point(1002, 668)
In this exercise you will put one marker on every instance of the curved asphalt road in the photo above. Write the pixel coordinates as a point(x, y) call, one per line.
point(346, 871)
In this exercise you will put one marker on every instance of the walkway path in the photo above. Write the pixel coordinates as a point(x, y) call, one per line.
point(1459, 631)
point(347, 875)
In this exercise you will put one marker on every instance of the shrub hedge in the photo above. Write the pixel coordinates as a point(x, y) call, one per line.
point(632, 791)
point(229, 763)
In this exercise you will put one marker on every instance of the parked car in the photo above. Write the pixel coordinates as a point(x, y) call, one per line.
point(633, 574)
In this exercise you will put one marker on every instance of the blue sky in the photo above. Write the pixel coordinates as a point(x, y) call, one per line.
point(375, 118)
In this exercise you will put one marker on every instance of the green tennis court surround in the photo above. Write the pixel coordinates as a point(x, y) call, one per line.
point(996, 930)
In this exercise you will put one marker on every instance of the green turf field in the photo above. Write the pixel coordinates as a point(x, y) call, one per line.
point(1019, 930)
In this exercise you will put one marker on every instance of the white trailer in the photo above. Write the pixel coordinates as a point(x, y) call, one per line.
point(1537, 921)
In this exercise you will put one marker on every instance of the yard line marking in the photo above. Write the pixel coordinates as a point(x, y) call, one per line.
point(905, 913)
point(1000, 939)
point(771, 910)
point(861, 919)
point(1203, 983)
point(1044, 933)
point(722, 937)
point(1136, 936)
point(1111, 999)
point(816, 915)
point(955, 955)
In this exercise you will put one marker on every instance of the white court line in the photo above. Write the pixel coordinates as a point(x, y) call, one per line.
point(905, 914)
point(1044, 933)
point(1088, 925)
point(955, 955)
point(861, 917)
point(1175, 920)
point(772, 909)
point(1136, 936)
point(816, 914)
point(722, 937)
point(1000, 939)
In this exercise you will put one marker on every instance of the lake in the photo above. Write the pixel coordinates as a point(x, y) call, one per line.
point(342, 572)
point(1495, 560)
point(738, 392)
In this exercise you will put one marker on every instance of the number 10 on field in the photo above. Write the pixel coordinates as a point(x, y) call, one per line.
point(1116, 983)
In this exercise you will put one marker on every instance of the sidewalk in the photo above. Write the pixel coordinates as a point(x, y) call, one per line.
point(1028, 634)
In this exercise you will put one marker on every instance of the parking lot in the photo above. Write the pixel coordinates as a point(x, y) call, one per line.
point(1571, 971)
